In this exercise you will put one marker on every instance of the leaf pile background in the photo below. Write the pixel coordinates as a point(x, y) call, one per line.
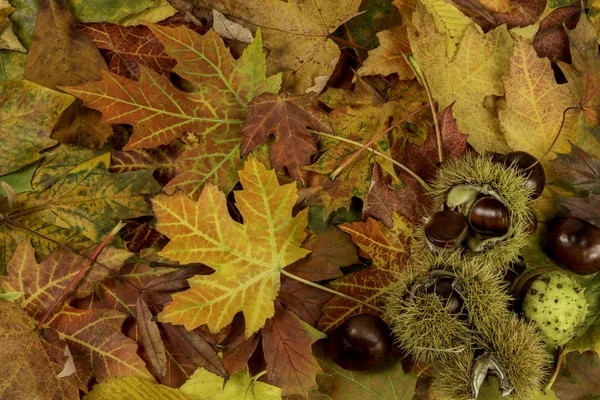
point(264, 164)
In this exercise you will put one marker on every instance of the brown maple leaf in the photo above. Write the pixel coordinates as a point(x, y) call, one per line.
point(287, 118)
point(387, 248)
point(59, 58)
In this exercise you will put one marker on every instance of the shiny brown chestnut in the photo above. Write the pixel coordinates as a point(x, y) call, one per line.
point(536, 177)
point(445, 292)
point(489, 217)
point(446, 229)
point(575, 243)
point(361, 342)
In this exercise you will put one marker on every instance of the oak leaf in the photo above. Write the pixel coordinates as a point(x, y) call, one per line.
point(29, 361)
point(248, 259)
point(297, 33)
point(80, 207)
point(535, 105)
point(388, 249)
point(287, 118)
point(58, 57)
point(583, 73)
point(390, 56)
point(468, 79)
point(28, 112)
point(287, 343)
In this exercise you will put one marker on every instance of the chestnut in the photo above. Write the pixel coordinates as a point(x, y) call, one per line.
point(444, 290)
point(361, 342)
point(575, 243)
point(489, 217)
point(536, 177)
point(446, 228)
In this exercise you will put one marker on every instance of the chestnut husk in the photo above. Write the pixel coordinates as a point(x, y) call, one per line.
point(520, 160)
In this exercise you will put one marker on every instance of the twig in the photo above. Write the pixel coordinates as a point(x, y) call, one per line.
point(436, 122)
point(562, 124)
point(80, 274)
point(62, 246)
point(380, 154)
point(348, 43)
point(556, 369)
point(326, 289)
point(339, 169)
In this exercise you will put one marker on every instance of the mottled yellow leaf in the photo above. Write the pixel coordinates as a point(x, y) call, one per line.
point(247, 258)
point(296, 31)
point(449, 21)
point(469, 79)
point(389, 57)
point(240, 386)
point(131, 388)
point(535, 104)
point(158, 11)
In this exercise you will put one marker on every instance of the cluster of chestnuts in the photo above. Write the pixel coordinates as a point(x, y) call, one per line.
point(451, 306)
point(484, 202)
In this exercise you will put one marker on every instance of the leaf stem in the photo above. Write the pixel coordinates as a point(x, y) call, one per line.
point(62, 246)
point(326, 289)
point(261, 373)
point(561, 355)
point(81, 273)
point(436, 122)
point(348, 43)
point(380, 154)
point(347, 161)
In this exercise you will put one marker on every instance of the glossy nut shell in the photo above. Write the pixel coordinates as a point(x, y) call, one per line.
point(446, 229)
point(489, 217)
point(575, 243)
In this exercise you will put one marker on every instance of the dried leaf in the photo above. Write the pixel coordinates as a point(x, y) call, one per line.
point(579, 378)
point(106, 10)
point(472, 75)
point(329, 250)
point(287, 345)
point(129, 46)
point(177, 279)
point(449, 21)
point(584, 72)
point(158, 11)
point(248, 259)
point(84, 203)
point(99, 348)
point(43, 284)
point(578, 171)
point(237, 350)
point(229, 29)
point(535, 105)
point(387, 248)
point(150, 336)
point(297, 33)
point(134, 389)
point(388, 382)
point(28, 363)
point(58, 57)
point(8, 40)
point(28, 112)
point(587, 209)
point(287, 118)
point(240, 386)
point(390, 56)
point(589, 334)
point(305, 301)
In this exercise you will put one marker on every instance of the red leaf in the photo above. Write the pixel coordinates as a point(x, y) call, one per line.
point(330, 250)
point(287, 345)
point(387, 248)
point(305, 301)
point(578, 171)
point(286, 117)
point(150, 337)
point(237, 350)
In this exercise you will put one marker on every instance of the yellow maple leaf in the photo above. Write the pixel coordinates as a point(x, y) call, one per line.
point(390, 56)
point(448, 20)
point(469, 79)
point(535, 104)
point(247, 258)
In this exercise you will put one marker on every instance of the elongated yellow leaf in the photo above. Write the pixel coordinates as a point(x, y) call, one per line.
point(247, 258)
